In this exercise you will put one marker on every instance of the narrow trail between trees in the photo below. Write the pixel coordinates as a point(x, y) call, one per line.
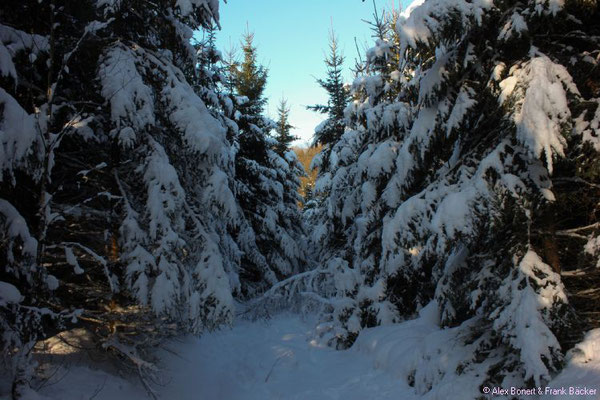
point(260, 360)
point(279, 359)
point(274, 359)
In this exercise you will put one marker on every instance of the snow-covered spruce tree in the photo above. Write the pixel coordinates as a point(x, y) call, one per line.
point(327, 134)
point(210, 82)
point(289, 173)
point(330, 131)
point(115, 175)
point(38, 45)
point(348, 235)
point(266, 184)
point(468, 176)
point(174, 160)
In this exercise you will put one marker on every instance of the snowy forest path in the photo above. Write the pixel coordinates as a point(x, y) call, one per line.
point(272, 359)
point(253, 360)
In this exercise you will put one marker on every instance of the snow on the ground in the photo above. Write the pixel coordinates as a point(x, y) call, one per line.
point(430, 356)
point(261, 360)
point(582, 371)
point(278, 359)
point(275, 359)
point(419, 348)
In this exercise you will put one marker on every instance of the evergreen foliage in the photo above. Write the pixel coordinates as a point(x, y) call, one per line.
point(327, 134)
point(117, 198)
point(250, 79)
point(472, 125)
point(267, 182)
point(283, 129)
point(330, 131)
point(141, 189)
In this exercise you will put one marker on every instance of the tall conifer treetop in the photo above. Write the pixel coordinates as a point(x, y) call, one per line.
point(283, 131)
point(250, 77)
point(266, 183)
point(332, 128)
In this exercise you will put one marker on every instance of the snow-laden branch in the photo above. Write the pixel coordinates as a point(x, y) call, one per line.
point(95, 256)
point(284, 292)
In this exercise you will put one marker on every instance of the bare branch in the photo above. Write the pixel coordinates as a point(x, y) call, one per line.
point(575, 180)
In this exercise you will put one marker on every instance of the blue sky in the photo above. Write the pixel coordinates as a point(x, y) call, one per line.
point(292, 38)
